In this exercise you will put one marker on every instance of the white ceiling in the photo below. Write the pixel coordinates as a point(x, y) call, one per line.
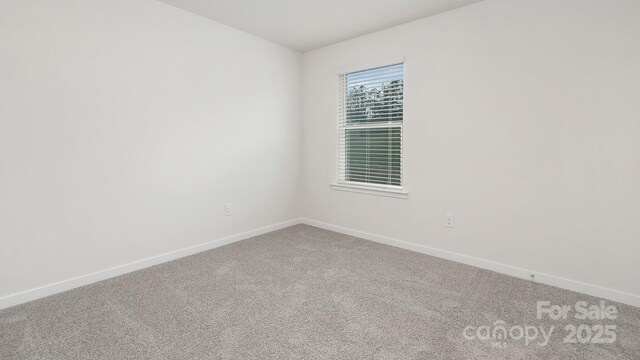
point(304, 25)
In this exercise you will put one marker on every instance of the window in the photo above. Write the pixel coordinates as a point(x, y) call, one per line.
point(370, 114)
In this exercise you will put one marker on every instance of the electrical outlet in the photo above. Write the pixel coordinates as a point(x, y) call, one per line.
point(450, 220)
point(227, 210)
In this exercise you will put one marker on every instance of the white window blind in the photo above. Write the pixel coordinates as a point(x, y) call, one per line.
point(370, 112)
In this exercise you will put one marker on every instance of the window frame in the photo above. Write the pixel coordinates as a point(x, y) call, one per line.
point(340, 183)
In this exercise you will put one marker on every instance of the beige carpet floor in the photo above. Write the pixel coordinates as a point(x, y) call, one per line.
point(304, 293)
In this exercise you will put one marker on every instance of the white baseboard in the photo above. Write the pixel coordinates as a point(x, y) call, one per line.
point(50, 289)
point(585, 288)
point(578, 286)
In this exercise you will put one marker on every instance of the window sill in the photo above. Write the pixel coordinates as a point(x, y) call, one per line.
point(371, 190)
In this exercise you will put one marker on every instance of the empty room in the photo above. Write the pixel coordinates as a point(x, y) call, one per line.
point(297, 179)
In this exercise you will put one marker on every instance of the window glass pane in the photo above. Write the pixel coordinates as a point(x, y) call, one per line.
point(374, 95)
point(374, 155)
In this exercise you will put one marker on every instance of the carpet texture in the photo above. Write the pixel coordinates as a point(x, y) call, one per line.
point(303, 293)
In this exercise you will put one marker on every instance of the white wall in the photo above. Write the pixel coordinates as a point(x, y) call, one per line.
point(124, 128)
point(522, 118)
